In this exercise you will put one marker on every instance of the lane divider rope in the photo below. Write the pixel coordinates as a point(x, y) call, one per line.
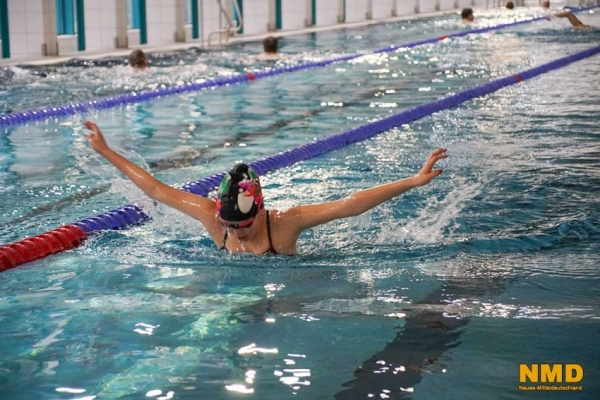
point(70, 236)
point(66, 110)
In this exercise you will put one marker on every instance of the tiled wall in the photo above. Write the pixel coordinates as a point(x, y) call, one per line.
point(256, 16)
point(405, 7)
point(100, 24)
point(446, 5)
point(26, 27)
point(327, 12)
point(32, 22)
point(293, 14)
point(465, 3)
point(67, 44)
point(133, 37)
point(427, 6)
point(356, 10)
point(382, 8)
point(160, 17)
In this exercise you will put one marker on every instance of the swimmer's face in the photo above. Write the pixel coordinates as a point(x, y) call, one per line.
point(470, 18)
point(243, 230)
point(243, 234)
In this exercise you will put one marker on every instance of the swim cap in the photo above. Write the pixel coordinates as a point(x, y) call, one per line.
point(239, 197)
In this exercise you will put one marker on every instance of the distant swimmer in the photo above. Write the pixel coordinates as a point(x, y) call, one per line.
point(270, 47)
point(549, 14)
point(237, 219)
point(467, 15)
point(137, 60)
point(510, 5)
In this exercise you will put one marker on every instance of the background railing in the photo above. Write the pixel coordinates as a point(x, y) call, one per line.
point(232, 26)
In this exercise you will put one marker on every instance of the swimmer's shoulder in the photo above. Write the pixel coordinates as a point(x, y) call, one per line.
point(283, 233)
point(286, 223)
point(269, 57)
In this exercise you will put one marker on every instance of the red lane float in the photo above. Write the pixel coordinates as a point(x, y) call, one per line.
point(33, 248)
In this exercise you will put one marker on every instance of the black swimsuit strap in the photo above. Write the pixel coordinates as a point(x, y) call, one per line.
point(271, 248)
point(225, 240)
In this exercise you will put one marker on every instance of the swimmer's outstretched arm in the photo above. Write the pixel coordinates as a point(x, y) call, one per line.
point(195, 206)
point(308, 216)
point(572, 19)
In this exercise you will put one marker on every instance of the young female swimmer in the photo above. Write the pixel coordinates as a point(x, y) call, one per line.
point(237, 219)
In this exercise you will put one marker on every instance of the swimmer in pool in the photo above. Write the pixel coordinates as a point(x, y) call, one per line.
point(270, 45)
point(237, 219)
point(565, 14)
point(467, 15)
point(137, 60)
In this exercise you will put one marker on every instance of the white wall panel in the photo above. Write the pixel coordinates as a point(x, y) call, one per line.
point(256, 16)
point(465, 3)
point(26, 27)
point(356, 10)
point(161, 21)
point(447, 5)
point(293, 14)
point(405, 7)
point(327, 12)
point(133, 37)
point(100, 25)
point(427, 6)
point(67, 44)
point(382, 8)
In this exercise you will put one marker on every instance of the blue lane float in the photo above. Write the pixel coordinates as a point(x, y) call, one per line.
point(146, 95)
point(72, 235)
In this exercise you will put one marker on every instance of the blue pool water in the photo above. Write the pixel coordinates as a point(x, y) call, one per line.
point(441, 292)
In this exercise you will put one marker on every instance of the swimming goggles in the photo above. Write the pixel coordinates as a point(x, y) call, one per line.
point(238, 225)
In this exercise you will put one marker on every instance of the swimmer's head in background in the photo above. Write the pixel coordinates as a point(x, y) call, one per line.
point(467, 14)
point(137, 59)
point(239, 197)
point(270, 44)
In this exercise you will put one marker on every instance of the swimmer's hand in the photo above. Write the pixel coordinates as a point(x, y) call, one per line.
point(427, 173)
point(95, 138)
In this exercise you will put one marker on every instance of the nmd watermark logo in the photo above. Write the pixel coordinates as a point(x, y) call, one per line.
point(550, 377)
